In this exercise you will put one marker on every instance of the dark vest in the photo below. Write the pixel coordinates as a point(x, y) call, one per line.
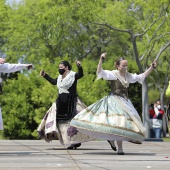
point(118, 89)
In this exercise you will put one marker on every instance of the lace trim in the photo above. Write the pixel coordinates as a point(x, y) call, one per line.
point(64, 84)
point(124, 82)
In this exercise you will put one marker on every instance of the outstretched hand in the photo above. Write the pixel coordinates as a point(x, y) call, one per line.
point(154, 64)
point(103, 56)
point(42, 73)
point(78, 63)
point(29, 66)
point(2, 60)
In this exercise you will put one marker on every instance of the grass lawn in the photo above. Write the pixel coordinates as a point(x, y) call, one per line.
point(167, 139)
point(1, 137)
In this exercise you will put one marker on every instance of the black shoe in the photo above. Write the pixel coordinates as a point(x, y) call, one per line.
point(120, 153)
point(113, 147)
point(74, 146)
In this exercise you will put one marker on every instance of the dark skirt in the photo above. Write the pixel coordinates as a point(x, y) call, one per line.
point(66, 106)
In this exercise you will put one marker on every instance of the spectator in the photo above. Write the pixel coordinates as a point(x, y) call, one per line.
point(156, 114)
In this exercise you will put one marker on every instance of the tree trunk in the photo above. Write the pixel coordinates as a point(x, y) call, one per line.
point(164, 121)
point(145, 108)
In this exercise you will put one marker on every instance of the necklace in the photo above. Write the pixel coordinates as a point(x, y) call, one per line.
point(123, 79)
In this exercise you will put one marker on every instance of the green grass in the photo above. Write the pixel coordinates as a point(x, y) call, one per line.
point(1, 136)
point(167, 139)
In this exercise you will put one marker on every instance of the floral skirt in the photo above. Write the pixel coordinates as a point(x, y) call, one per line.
point(52, 129)
point(111, 118)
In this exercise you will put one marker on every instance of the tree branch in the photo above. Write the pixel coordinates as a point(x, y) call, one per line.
point(157, 85)
point(88, 52)
point(153, 23)
point(153, 44)
point(161, 50)
point(154, 34)
point(112, 28)
point(137, 35)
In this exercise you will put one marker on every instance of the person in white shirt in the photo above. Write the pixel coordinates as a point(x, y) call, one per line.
point(114, 117)
point(9, 68)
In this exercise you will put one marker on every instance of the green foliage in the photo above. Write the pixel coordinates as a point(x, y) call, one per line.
point(17, 108)
point(44, 32)
point(24, 106)
point(4, 15)
point(89, 88)
point(25, 101)
point(153, 95)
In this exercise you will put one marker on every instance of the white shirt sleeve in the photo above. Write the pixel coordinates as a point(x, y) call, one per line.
point(107, 75)
point(9, 68)
point(156, 111)
point(136, 77)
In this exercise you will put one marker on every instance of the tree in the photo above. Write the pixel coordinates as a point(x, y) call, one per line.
point(161, 81)
point(144, 26)
point(23, 98)
point(45, 31)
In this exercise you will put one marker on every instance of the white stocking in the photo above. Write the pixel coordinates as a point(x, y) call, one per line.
point(119, 144)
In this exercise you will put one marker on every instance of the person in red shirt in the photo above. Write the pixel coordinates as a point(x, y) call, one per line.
point(156, 114)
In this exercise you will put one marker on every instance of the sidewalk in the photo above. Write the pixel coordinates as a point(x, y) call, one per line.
point(96, 155)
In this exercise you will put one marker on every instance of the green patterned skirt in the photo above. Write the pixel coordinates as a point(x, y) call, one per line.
point(111, 118)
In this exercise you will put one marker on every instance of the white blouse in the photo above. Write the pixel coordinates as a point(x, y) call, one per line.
point(9, 68)
point(113, 75)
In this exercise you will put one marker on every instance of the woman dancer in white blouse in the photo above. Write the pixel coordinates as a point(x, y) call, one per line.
point(114, 117)
point(9, 68)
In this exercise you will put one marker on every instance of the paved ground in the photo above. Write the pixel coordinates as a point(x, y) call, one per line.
point(96, 155)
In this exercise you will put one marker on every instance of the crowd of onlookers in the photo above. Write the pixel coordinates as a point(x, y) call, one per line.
point(156, 114)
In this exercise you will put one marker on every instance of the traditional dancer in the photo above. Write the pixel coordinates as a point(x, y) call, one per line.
point(114, 117)
point(56, 122)
point(9, 68)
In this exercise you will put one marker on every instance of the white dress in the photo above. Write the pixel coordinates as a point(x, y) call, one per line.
point(113, 117)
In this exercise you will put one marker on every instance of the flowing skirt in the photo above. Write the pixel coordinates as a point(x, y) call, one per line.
point(111, 118)
point(51, 128)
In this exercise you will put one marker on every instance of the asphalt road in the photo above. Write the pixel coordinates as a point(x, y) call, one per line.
point(95, 155)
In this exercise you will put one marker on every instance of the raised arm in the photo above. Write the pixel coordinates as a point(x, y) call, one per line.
point(150, 69)
point(99, 67)
point(48, 78)
point(79, 74)
point(9, 68)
